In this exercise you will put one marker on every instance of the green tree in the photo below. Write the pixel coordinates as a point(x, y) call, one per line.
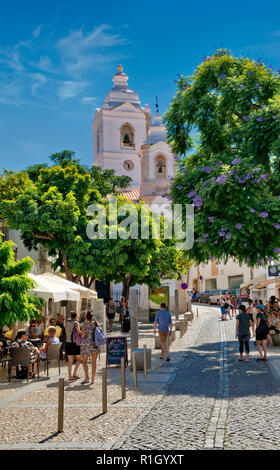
point(15, 302)
point(224, 124)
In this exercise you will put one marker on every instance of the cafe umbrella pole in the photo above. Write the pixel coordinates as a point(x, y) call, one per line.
point(60, 405)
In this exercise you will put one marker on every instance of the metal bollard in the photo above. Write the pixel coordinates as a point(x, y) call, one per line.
point(60, 405)
point(134, 369)
point(123, 378)
point(104, 390)
point(181, 329)
point(145, 359)
point(197, 313)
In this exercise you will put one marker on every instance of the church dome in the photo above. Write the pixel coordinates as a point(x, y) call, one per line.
point(157, 131)
point(120, 93)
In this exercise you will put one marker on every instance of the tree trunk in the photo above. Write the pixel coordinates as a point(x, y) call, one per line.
point(67, 270)
point(126, 287)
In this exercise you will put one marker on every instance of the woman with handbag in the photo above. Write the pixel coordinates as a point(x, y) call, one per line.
point(262, 331)
point(72, 348)
point(88, 347)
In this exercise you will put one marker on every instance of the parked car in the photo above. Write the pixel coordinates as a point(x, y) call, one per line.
point(203, 297)
point(214, 298)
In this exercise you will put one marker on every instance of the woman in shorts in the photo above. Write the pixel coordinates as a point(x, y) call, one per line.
point(111, 312)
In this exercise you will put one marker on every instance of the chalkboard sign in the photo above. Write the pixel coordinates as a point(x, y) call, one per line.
point(116, 348)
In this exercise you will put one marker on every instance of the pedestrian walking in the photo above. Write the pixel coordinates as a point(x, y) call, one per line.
point(222, 307)
point(243, 324)
point(72, 350)
point(261, 333)
point(88, 347)
point(164, 323)
point(234, 306)
point(111, 312)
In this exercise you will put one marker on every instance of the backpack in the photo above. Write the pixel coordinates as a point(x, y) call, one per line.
point(98, 337)
point(76, 338)
point(263, 326)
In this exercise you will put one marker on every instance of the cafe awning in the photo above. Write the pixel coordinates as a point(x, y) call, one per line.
point(60, 281)
point(263, 284)
point(50, 289)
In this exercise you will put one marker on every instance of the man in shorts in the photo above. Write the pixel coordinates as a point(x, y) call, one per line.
point(164, 322)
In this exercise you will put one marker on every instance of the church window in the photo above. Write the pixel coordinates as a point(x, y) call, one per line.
point(160, 163)
point(127, 136)
point(98, 142)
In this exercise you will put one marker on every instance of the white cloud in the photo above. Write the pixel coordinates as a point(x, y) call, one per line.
point(69, 89)
point(88, 100)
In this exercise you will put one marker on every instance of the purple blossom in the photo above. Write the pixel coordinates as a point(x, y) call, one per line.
point(219, 163)
point(260, 119)
point(238, 226)
point(223, 76)
point(216, 242)
point(207, 169)
point(214, 179)
point(242, 85)
point(197, 167)
point(221, 234)
point(249, 74)
point(277, 226)
point(248, 176)
point(192, 193)
point(264, 215)
point(211, 219)
point(264, 176)
point(256, 170)
point(278, 197)
point(205, 183)
point(269, 259)
point(248, 259)
point(252, 211)
point(257, 85)
point(236, 161)
point(228, 236)
point(180, 186)
point(276, 250)
point(258, 180)
point(246, 118)
point(221, 179)
point(245, 244)
point(211, 258)
point(184, 171)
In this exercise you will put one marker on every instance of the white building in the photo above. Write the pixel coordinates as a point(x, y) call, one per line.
point(126, 140)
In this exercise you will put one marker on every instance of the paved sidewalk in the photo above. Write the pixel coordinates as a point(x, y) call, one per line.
point(33, 406)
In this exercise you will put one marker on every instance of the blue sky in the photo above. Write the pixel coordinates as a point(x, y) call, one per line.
point(57, 59)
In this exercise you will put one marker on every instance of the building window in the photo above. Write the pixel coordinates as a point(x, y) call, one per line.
point(98, 142)
point(160, 167)
point(127, 136)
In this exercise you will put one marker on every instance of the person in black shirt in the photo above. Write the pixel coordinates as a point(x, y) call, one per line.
point(243, 323)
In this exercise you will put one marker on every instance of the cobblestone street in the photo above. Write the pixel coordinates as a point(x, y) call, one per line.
point(203, 399)
point(215, 401)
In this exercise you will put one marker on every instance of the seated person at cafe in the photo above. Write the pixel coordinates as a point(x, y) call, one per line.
point(32, 330)
point(51, 340)
point(9, 333)
point(52, 322)
point(21, 341)
point(40, 326)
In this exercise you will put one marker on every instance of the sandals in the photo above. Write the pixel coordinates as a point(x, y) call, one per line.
point(75, 377)
point(85, 382)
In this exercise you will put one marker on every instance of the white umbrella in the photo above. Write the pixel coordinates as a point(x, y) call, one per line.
point(48, 289)
point(60, 281)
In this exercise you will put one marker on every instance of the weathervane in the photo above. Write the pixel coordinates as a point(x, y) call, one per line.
point(157, 108)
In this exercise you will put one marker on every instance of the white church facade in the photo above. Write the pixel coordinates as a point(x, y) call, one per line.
point(126, 140)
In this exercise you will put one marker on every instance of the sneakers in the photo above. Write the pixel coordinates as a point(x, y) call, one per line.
point(167, 359)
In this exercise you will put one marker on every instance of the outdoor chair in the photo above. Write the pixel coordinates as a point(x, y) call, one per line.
point(19, 357)
point(53, 354)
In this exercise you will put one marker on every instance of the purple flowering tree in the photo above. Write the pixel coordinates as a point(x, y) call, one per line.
point(224, 123)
